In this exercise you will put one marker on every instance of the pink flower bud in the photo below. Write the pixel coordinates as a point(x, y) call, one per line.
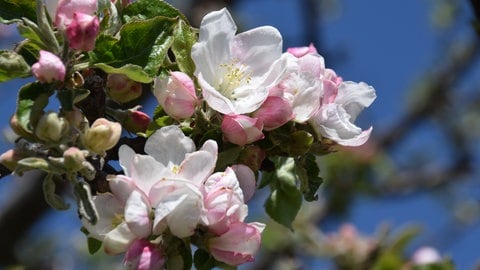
point(246, 179)
point(67, 8)
point(302, 51)
point(274, 112)
point(238, 244)
point(241, 129)
point(143, 255)
point(49, 68)
point(121, 89)
point(73, 158)
point(223, 200)
point(102, 135)
point(137, 121)
point(176, 95)
point(10, 159)
point(82, 31)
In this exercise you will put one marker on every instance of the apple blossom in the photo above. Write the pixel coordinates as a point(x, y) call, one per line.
point(241, 129)
point(49, 68)
point(223, 201)
point(176, 95)
point(82, 31)
point(234, 71)
point(238, 244)
point(10, 159)
point(334, 120)
point(66, 9)
point(301, 85)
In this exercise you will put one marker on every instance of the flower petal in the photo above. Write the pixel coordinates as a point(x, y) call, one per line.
point(137, 214)
point(119, 239)
point(217, 30)
point(169, 145)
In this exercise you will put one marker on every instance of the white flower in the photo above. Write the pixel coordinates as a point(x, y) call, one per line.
point(234, 71)
point(335, 120)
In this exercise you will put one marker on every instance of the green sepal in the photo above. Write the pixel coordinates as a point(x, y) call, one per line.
point(86, 207)
point(94, 245)
point(13, 65)
point(51, 197)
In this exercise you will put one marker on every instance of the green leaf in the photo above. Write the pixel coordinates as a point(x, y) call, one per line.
point(32, 163)
point(86, 207)
point(141, 43)
point(285, 199)
point(133, 72)
point(93, 245)
point(32, 99)
point(52, 198)
point(308, 172)
point(185, 37)
point(147, 9)
point(12, 10)
point(12, 65)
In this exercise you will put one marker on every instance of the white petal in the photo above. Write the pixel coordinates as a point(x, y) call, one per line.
point(118, 240)
point(197, 166)
point(217, 30)
point(307, 102)
point(333, 122)
point(180, 203)
point(215, 99)
point(108, 208)
point(121, 186)
point(354, 97)
point(125, 157)
point(146, 171)
point(169, 145)
point(258, 48)
point(137, 214)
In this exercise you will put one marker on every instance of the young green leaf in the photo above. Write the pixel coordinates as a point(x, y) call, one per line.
point(13, 10)
point(12, 65)
point(147, 9)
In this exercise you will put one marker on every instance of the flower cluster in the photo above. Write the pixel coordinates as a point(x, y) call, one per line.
point(261, 116)
point(173, 191)
point(256, 88)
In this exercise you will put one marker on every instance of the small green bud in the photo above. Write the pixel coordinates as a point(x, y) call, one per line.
point(51, 127)
point(102, 136)
point(73, 158)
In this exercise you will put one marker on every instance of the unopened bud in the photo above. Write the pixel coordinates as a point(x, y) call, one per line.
point(73, 158)
point(10, 159)
point(17, 128)
point(137, 121)
point(82, 32)
point(102, 135)
point(121, 89)
point(51, 127)
point(49, 68)
point(241, 129)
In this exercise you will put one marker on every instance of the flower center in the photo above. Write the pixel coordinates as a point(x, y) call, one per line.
point(234, 75)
